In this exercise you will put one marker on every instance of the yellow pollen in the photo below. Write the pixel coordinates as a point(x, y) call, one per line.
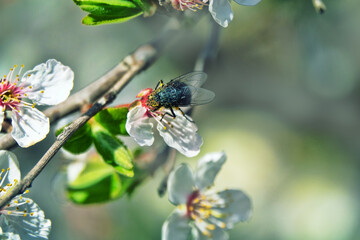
point(16, 201)
point(4, 76)
point(29, 75)
point(33, 106)
point(32, 214)
point(222, 225)
point(206, 233)
point(15, 180)
point(210, 226)
point(191, 208)
point(42, 91)
point(164, 128)
point(22, 88)
point(9, 212)
point(25, 214)
point(15, 83)
point(15, 66)
point(27, 201)
point(196, 200)
point(25, 95)
point(21, 197)
point(22, 65)
point(30, 87)
point(8, 169)
point(3, 170)
point(11, 69)
point(27, 191)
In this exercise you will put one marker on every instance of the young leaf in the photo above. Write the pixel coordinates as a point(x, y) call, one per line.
point(80, 141)
point(98, 182)
point(112, 150)
point(113, 120)
point(108, 11)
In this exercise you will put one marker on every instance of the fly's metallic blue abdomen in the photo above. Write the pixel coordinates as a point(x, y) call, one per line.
point(175, 94)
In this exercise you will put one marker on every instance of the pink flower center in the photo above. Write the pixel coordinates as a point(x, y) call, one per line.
point(10, 95)
point(193, 5)
point(12, 92)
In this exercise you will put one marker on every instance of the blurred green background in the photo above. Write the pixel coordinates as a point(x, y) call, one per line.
point(286, 113)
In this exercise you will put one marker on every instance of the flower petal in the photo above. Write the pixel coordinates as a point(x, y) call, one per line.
point(30, 226)
point(181, 134)
point(221, 12)
point(2, 115)
point(238, 207)
point(139, 127)
point(216, 234)
point(207, 169)
point(9, 169)
point(29, 126)
point(180, 184)
point(247, 2)
point(53, 78)
point(8, 236)
point(176, 227)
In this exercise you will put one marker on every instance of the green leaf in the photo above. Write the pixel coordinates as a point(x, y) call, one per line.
point(98, 20)
point(108, 11)
point(113, 120)
point(112, 150)
point(98, 182)
point(80, 141)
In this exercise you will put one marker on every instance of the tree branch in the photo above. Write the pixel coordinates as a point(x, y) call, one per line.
point(98, 88)
point(118, 78)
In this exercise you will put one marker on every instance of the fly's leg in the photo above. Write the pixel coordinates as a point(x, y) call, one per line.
point(173, 115)
point(161, 83)
point(182, 112)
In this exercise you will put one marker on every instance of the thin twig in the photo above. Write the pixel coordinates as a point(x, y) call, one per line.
point(210, 50)
point(131, 65)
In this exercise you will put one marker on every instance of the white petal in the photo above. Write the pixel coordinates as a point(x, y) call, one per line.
point(9, 161)
point(216, 234)
point(9, 236)
point(180, 184)
point(247, 2)
point(207, 169)
point(182, 136)
point(2, 115)
point(52, 77)
point(29, 126)
point(176, 227)
point(28, 227)
point(238, 207)
point(139, 127)
point(221, 12)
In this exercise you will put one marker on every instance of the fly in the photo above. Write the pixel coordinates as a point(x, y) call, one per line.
point(179, 92)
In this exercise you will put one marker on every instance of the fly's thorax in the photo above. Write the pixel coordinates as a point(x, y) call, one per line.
point(153, 101)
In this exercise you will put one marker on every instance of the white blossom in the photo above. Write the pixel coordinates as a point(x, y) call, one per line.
point(200, 211)
point(21, 218)
point(48, 83)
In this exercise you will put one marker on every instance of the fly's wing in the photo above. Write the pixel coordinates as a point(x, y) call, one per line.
point(200, 95)
point(195, 79)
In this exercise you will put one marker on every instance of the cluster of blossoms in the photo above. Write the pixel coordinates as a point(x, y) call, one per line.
point(201, 212)
point(179, 133)
point(48, 83)
point(219, 9)
point(21, 218)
